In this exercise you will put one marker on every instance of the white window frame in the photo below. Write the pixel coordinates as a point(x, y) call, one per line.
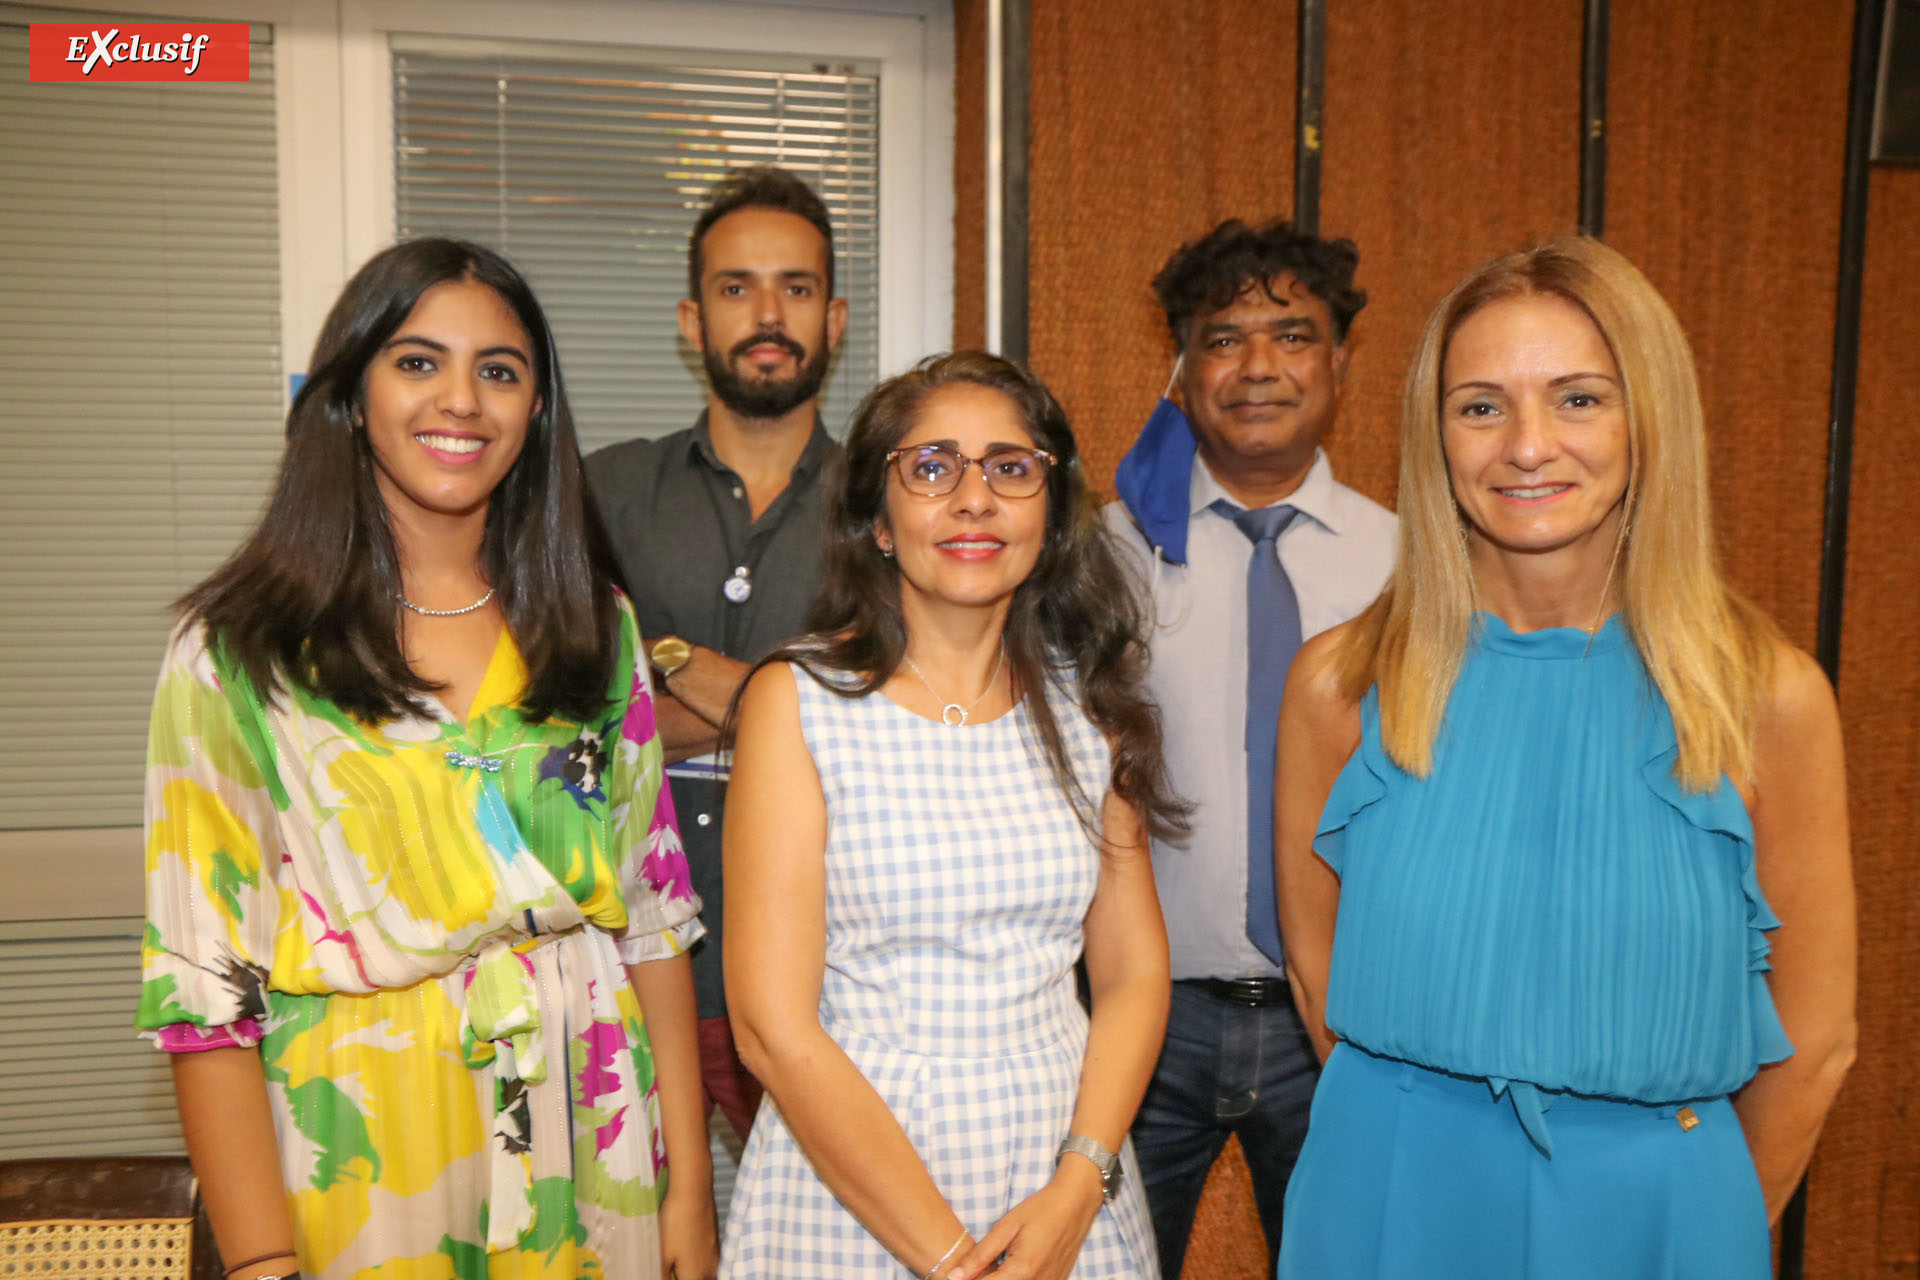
point(911, 42)
point(334, 102)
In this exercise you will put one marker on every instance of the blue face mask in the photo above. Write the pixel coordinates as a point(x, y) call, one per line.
point(1168, 422)
point(1156, 470)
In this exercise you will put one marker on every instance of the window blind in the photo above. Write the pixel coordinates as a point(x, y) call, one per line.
point(588, 171)
point(74, 1079)
point(140, 402)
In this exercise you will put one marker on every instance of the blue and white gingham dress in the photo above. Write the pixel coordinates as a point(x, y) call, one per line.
point(958, 882)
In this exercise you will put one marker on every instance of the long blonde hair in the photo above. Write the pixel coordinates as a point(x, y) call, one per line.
point(1709, 650)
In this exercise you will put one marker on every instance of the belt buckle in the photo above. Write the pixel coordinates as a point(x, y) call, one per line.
point(1252, 992)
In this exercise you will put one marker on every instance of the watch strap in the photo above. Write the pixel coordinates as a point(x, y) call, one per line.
point(1104, 1160)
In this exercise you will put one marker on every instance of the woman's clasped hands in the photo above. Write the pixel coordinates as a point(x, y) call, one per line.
point(1039, 1238)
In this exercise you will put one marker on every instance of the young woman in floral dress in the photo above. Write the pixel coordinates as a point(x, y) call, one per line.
point(417, 905)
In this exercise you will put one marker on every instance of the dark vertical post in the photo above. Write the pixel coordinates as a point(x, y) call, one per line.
point(1311, 76)
point(1594, 44)
point(1869, 19)
point(1016, 35)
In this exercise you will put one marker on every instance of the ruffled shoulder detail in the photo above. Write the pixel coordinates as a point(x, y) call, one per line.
point(1722, 812)
point(1361, 783)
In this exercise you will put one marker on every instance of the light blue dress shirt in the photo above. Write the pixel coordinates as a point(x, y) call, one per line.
point(1338, 553)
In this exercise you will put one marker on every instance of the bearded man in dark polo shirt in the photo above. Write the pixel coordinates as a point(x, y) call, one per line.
point(718, 527)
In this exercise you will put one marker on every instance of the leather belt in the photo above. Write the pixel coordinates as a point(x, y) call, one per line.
point(1253, 992)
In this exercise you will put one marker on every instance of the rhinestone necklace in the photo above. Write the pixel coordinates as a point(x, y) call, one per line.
point(443, 613)
point(949, 710)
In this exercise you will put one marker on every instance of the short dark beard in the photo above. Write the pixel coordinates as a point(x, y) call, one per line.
point(772, 398)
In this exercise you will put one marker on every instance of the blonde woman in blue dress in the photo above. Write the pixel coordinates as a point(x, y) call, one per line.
point(938, 801)
point(1576, 783)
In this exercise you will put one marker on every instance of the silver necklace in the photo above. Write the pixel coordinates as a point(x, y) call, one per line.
point(443, 613)
point(948, 710)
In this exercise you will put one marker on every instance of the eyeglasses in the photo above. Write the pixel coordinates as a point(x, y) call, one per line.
point(932, 470)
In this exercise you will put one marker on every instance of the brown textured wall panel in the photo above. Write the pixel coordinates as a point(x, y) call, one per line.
point(1452, 134)
point(1146, 132)
point(1864, 1210)
point(1226, 1243)
point(1728, 122)
point(969, 173)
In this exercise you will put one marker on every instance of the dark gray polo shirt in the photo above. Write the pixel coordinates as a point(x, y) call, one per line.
point(679, 521)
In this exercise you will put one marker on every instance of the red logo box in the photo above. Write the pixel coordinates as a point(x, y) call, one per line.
point(138, 51)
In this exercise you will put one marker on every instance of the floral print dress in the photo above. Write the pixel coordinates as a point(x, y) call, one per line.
point(422, 924)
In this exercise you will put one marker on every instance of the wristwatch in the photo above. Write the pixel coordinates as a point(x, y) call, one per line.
point(1104, 1160)
point(667, 655)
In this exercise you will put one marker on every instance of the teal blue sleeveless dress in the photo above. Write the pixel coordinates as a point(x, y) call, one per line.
point(1548, 973)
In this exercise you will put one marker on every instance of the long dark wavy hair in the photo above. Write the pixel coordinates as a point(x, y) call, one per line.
point(1074, 619)
point(312, 596)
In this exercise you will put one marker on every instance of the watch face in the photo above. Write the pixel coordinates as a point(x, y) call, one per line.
point(670, 654)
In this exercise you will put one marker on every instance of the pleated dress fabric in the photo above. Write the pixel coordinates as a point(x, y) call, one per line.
point(1545, 950)
point(958, 879)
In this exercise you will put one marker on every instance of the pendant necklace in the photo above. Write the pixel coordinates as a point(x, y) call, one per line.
point(443, 613)
point(952, 714)
point(738, 588)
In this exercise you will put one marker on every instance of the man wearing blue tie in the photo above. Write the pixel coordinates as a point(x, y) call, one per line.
point(1246, 545)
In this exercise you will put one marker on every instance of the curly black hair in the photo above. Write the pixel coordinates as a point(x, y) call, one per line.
point(1209, 273)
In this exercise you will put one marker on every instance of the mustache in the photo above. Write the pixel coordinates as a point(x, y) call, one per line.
point(768, 338)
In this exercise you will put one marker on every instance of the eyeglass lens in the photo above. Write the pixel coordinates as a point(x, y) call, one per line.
point(934, 470)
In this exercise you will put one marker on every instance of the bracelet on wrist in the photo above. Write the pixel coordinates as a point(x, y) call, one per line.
point(952, 1249)
point(275, 1256)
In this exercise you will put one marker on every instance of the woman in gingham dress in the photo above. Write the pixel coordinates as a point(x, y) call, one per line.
point(939, 800)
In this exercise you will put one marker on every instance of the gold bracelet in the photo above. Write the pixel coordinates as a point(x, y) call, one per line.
point(951, 1250)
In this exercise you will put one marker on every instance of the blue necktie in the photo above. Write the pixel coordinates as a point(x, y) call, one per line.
point(1273, 637)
